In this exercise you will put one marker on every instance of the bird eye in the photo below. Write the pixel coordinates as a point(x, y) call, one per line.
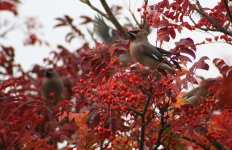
point(48, 73)
point(132, 35)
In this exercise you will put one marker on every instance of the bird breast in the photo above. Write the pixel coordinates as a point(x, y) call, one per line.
point(52, 85)
point(136, 51)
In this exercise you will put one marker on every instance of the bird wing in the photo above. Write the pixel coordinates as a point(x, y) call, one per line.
point(152, 52)
point(103, 30)
point(163, 51)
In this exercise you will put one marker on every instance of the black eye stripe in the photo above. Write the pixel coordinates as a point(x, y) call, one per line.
point(135, 31)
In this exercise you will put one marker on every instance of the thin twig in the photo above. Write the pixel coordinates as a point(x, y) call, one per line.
point(133, 16)
point(203, 29)
point(228, 9)
point(217, 144)
point(87, 2)
point(91, 34)
point(3, 34)
point(135, 111)
point(114, 20)
point(149, 120)
point(144, 91)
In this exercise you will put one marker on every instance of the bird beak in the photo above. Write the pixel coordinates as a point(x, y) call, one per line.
point(131, 35)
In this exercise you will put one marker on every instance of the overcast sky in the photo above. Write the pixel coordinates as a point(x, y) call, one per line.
point(45, 11)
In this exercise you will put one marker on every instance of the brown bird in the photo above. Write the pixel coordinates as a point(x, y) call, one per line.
point(146, 54)
point(209, 87)
point(52, 87)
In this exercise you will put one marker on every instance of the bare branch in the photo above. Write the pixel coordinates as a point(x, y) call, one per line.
point(114, 20)
point(87, 2)
point(91, 34)
point(228, 9)
point(3, 34)
point(133, 16)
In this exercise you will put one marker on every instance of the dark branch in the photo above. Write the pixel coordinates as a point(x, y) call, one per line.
point(135, 111)
point(163, 127)
point(87, 2)
point(114, 20)
point(211, 20)
point(133, 16)
point(3, 34)
point(200, 28)
point(141, 145)
point(195, 141)
point(91, 34)
point(149, 120)
point(145, 91)
point(228, 9)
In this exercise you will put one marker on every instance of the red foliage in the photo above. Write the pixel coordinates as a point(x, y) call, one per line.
point(110, 105)
point(10, 5)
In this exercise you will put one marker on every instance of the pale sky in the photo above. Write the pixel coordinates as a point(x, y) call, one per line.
point(46, 11)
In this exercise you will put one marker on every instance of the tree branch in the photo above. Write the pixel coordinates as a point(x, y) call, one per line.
point(114, 20)
point(228, 9)
point(91, 34)
point(163, 127)
point(144, 124)
point(211, 20)
point(135, 111)
point(133, 16)
point(203, 29)
point(87, 2)
point(195, 141)
point(3, 34)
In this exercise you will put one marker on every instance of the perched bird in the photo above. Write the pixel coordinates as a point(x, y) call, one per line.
point(52, 87)
point(148, 55)
point(209, 87)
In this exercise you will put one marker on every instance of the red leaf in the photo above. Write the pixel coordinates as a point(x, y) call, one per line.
point(201, 64)
point(8, 6)
point(86, 20)
point(163, 35)
point(209, 39)
point(189, 52)
point(172, 32)
point(188, 42)
point(179, 28)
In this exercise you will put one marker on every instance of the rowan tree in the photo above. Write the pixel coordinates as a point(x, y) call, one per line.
point(109, 104)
